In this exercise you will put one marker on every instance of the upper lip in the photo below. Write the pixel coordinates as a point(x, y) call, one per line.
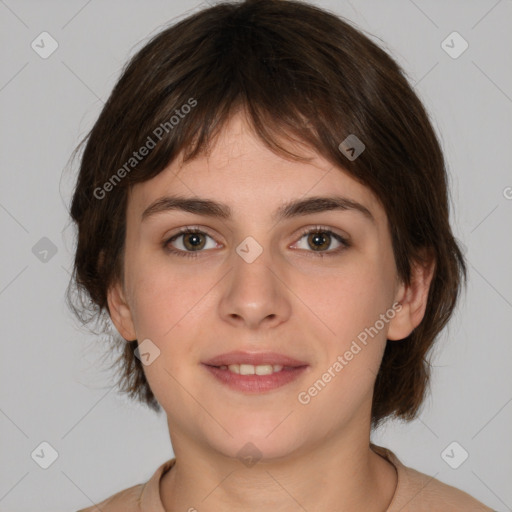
point(254, 358)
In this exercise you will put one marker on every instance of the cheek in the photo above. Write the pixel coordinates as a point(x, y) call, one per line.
point(169, 307)
point(153, 305)
point(350, 304)
point(349, 299)
point(165, 310)
point(161, 296)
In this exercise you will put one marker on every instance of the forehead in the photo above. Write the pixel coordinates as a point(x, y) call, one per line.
point(240, 170)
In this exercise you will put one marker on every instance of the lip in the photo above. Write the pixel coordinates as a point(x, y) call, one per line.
point(254, 384)
point(254, 358)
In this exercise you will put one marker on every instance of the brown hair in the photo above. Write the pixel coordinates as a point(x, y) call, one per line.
point(298, 72)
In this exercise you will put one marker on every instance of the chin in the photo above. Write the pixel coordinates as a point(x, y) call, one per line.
point(259, 441)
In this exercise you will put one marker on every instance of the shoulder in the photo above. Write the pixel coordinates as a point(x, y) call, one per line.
point(424, 492)
point(419, 492)
point(124, 501)
point(139, 498)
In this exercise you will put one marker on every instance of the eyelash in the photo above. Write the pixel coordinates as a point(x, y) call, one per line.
point(316, 229)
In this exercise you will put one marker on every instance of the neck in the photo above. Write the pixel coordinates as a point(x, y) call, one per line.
point(355, 478)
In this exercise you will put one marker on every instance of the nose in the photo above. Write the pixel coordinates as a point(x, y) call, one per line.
point(255, 293)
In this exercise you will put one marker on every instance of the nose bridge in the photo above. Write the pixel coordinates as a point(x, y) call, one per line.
point(254, 293)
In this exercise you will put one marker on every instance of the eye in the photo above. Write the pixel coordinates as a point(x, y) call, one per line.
point(192, 240)
point(320, 240)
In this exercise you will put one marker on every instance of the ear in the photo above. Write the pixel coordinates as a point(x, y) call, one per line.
point(120, 312)
point(413, 298)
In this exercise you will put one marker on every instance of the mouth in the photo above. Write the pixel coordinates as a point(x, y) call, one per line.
point(254, 372)
point(254, 359)
point(250, 369)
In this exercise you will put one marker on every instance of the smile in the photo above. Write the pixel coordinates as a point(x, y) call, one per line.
point(250, 369)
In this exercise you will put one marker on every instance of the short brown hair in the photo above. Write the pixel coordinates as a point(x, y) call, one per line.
point(298, 72)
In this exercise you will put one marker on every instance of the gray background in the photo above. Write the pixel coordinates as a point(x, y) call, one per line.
point(54, 385)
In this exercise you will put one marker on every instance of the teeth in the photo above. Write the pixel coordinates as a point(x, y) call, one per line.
point(249, 369)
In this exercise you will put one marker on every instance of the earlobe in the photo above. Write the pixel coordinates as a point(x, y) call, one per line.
point(413, 299)
point(120, 312)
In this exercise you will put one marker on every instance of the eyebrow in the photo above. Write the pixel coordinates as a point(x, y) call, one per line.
point(214, 209)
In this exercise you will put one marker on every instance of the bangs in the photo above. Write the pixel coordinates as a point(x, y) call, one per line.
point(288, 89)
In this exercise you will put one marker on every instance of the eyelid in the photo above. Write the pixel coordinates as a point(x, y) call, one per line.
point(184, 230)
point(324, 229)
point(189, 229)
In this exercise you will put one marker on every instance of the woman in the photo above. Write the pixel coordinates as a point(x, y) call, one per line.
point(262, 210)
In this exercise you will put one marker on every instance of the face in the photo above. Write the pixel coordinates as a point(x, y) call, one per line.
point(305, 285)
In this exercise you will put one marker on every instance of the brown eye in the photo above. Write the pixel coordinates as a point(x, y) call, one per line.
point(193, 241)
point(189, 241)
point(319, 240)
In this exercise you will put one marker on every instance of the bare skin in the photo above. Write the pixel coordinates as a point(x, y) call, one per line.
point(314, 456)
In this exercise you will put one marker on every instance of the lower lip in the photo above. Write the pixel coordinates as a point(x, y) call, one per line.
point(255, 383)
